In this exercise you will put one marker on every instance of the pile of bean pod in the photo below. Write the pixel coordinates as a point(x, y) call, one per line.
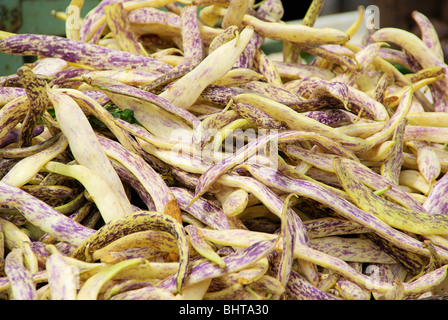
point(157, 152)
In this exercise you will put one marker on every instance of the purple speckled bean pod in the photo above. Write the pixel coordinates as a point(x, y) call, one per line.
point(415, 47)
point(37, 97)
point(127, 176)
point(219, 94)
point(214, 172)
point(202, 247)
point(95, 21)
point(306, 86)
point(85, 146)
point(428, 34)
point(139, 221)
point(8, 94)
point(267, 68)
point(332, 117)
point(268, 284)
point(238, 76)
point(430, 37)
point(364, 58)
point(204, 210)
point(243, 154)
point(48, 193)
point(356, 98)
point(86, 30)
point(350, 290)
point(204, 269)
point(44, 216)
point(342, 206)
point(276, 205)
point(287, 234)
point(211, 124)
point(396, 57)
point(227, 35)
point(49, 66)
point(324, 53)
point(247, 57)
point(148, 177)
point(21, 281)
point(428, 162)
point(13, 136)
point(426, 133)
point(133, 77)
point(154, 21)
point(294, 71)
point(40, 252)
point(62, 277)
point(297, 287)
point(361, 172)
point(273, 92)
point(427, 281)
point(187, 179)
point(324, 227)
point(411, 261)
point(63, 78)
point(395, 215)
point(333, 90)
point(192, 46)
point(140, 243)
point(164, 80)
point(113, 88)
point(381, 87)
point(185, 91)
point(191, 38)
point(326, 144)
point(243, 238)
point(91, 55)
point(400, 113)
point(391, 167)
point(11, 114)
point(351, 249)
point(295, 33)
point(257, 117)
point(436, 202)
point(270, 10)
point(96, 95)
point(440, 99)
point(127, 286)
point(120, 26)
point(249, 276)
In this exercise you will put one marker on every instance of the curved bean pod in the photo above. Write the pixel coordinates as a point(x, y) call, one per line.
point(119, 24)
point(78, 52)
point(414, 46)
point(22, 285)
point(139, 221)
point(27, 168)
point(395, 215)
point(84, 145)
point(207, 71)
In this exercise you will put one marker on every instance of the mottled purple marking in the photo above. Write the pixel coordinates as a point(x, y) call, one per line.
point(88, 54)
